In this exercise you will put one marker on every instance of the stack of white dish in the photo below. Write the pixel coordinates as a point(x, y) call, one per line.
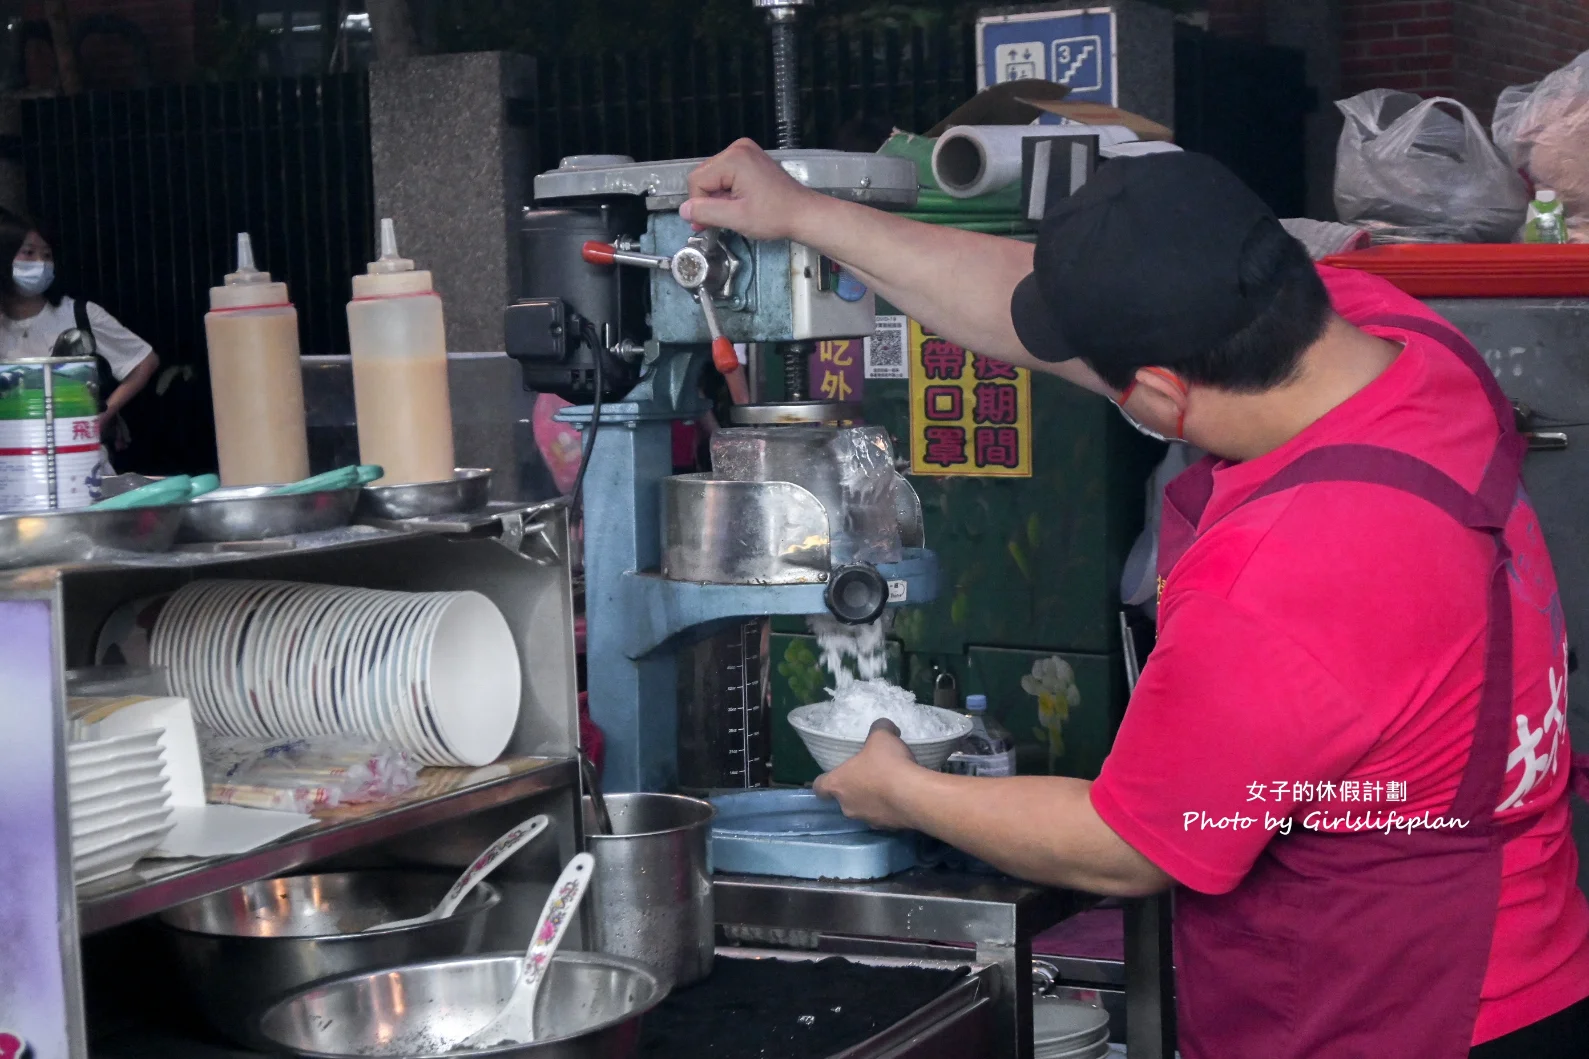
point(120, 802)
point(1068, 1029)
point(435, 673)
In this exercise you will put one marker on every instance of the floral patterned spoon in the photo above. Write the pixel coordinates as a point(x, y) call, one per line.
point(515, 1023)
point(483, 865)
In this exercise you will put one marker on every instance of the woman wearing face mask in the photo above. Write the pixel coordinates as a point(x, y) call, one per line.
point(34, 312)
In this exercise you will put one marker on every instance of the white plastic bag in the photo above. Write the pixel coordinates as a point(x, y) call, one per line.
point(1544, 130)
point(1417, 170)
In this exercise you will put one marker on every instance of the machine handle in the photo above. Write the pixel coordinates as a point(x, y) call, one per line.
point(723, 355)
point(599, 253)
point(607, 254)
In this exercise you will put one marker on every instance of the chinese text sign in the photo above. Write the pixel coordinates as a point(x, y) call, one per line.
point(969, 414)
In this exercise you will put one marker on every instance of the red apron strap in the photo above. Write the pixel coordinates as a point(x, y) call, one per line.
point(1499, 487)
point(1457, 343)
point(1376, 465)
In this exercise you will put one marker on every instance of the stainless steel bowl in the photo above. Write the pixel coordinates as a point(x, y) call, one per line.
point(589, 1007)
point(250, 513)
point(469, 489)
point(85, 535)
point(242, 950)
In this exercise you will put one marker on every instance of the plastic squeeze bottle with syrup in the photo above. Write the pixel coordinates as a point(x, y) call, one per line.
point(256, 379)
point(400, 369)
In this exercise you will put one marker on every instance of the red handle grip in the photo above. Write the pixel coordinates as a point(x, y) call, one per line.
point(726, 361)
point(598, 253)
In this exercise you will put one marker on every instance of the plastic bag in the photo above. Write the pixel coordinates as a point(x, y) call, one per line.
point(1544, 129)
point(1139, 579)
point(302, 775)
point(1414, 170)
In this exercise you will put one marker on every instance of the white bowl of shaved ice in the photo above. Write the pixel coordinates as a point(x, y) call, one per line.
point(834, 731)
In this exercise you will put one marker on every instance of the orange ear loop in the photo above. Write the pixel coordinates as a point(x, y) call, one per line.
point(1173, 380)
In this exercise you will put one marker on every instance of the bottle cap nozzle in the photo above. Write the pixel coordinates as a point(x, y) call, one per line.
point(389, 261)
point(1545, 195)
point(246, 272)
point(976, 703)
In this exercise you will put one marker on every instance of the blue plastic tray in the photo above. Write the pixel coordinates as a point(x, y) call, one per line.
point(795, 834)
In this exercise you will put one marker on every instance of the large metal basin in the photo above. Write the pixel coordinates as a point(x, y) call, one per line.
point(242, 950)
point(589, 1007)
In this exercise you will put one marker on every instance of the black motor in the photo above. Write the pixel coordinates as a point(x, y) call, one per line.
point(568, 312)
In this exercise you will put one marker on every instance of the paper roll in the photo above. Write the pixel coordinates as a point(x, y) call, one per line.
point(972, 160)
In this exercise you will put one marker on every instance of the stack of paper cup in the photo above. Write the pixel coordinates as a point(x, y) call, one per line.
point(435, 673)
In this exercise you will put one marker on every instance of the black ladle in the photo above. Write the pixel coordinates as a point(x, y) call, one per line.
point(587, 769)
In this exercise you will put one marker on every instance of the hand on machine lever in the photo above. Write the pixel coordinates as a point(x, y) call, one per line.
point(701, 265)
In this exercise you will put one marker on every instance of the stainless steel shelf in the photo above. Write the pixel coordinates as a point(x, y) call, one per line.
point(444, 794)
point(923, 905)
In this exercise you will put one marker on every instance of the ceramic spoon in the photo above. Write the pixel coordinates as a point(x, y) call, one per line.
point(484, 865)
point(515, 1023)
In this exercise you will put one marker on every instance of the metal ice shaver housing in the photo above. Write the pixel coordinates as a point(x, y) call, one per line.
point(805, 519)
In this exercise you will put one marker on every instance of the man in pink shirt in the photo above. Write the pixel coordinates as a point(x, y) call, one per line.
point(1348, 751)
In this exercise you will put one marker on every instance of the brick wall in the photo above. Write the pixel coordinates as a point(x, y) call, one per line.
point(167, 25)
point(1469, 49)
point(1513, 42)
point(1237, 18)
point(1404, 44)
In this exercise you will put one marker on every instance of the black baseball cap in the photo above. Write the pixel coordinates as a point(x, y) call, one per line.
point(1141, 266)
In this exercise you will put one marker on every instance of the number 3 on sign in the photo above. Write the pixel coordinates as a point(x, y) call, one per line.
point(12, 1046)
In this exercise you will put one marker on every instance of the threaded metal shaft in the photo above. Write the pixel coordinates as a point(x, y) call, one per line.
point(786, 82)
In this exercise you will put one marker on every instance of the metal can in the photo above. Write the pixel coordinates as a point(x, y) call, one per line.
point(651, 893)
point(39, 472)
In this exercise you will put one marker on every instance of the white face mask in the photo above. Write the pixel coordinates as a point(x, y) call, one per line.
point(32, 277)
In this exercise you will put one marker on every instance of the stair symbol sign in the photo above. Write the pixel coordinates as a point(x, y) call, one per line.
point(1070, 71)
point(1079, 62)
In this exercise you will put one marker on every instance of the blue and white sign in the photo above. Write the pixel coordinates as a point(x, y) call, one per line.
point(1073, 47)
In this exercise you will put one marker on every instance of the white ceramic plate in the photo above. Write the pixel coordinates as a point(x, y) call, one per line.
point(474, 679)
point(410, 693)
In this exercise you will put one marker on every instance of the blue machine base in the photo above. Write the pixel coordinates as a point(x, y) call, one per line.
point(796, 835)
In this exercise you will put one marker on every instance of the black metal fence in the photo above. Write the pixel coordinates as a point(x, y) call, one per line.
point(142, 192)
point(695, 102)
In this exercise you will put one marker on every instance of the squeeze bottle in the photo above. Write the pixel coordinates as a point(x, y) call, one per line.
point(400, 369)
point(256, 379)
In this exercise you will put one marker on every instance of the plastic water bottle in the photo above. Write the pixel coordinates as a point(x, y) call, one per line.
point(988, 750)
point(1546, 222)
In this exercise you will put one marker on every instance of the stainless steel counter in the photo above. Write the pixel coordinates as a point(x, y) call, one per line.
point(996, 918)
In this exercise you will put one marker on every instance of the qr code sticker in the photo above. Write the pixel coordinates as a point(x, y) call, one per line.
point(885, 350)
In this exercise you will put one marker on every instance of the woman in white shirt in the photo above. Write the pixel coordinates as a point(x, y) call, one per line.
point(34, 312)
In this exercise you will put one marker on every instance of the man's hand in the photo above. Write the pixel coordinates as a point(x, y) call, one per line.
point(862, 785)
point(747, 192)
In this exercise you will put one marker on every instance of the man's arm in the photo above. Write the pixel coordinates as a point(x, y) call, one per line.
point(955, 283)
point(1041, 828)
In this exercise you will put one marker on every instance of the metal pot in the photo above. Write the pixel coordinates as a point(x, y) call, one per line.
point(243, 949)
point(589, 1007)
point(651, 896)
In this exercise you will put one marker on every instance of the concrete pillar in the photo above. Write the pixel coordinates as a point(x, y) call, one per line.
point(454, 170)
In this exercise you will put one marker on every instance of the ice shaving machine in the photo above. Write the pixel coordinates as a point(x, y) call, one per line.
point(623, 305)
